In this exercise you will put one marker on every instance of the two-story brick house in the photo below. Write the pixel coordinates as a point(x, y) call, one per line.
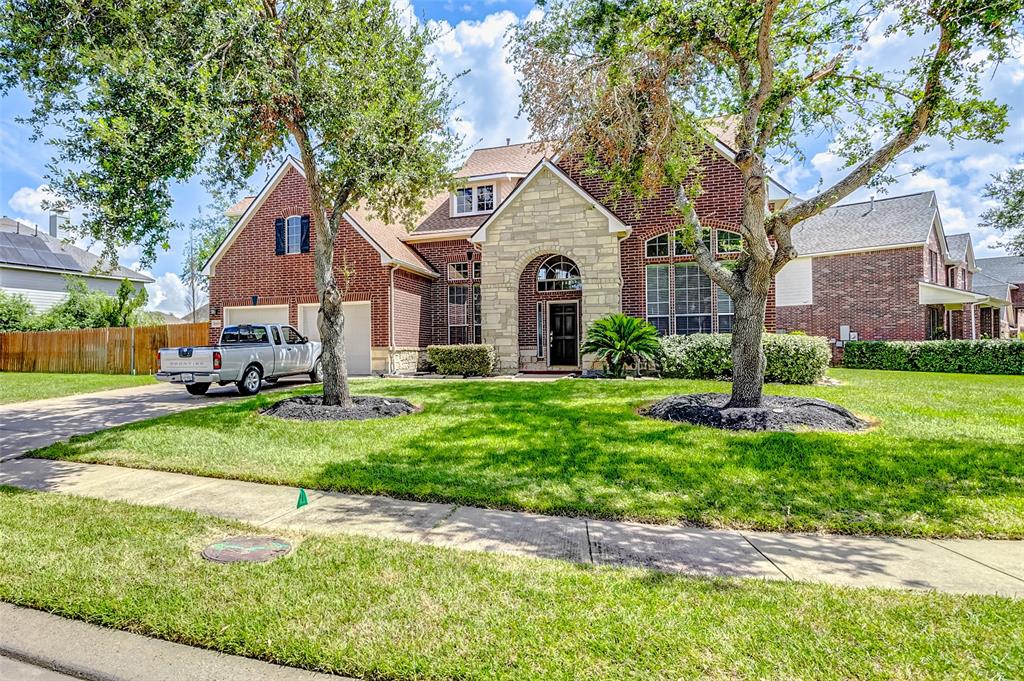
point(524, 255)
point(886, 270)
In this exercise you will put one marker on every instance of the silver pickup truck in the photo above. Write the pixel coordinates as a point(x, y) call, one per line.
point(247, 355)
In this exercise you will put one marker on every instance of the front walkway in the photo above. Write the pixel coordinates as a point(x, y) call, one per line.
point(959, 566)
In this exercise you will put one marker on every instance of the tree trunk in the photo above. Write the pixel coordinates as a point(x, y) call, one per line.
point(747, 354)
point(331, 322)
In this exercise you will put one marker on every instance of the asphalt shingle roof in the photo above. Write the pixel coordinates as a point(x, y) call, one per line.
point(889, 222)
point(990, 286)
point(957, 245)
point(1004, 268)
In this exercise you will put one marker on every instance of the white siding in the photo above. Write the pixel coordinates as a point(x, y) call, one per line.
point(793, 284)
point(46, 289)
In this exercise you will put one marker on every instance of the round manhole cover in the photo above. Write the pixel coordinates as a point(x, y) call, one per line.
point(246, 549)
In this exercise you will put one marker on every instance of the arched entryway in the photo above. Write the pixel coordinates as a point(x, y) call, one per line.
point(550, 298)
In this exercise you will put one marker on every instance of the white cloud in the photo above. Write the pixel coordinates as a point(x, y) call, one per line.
point(488, 94)
point(27, 203)
point(169, 293)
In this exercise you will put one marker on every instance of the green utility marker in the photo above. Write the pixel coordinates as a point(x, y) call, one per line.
point(302, 499)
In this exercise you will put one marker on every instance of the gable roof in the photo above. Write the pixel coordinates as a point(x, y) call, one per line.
point(25, 247)
point(991, 287)
point(957, 245)
point(615, 225)
point(882, 223)
point(1004, 268)
point(383, 237)
point(514, 159)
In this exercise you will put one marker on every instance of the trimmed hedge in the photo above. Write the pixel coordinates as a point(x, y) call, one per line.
point(462, 360)
point(946, 356)
point(789, 359)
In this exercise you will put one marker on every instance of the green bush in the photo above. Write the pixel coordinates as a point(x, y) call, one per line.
point(462, 360)
point(622, 341)
point(788, 359)
point(947, 356)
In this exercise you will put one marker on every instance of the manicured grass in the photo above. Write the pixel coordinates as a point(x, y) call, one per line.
point(389, 610)
point(19, 387)
point(947, 458)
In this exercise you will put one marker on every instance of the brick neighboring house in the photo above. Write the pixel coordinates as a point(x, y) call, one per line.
point(886, 270)
point(1001, 275)
point(524, 255)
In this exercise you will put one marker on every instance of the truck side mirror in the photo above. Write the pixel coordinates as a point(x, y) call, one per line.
point(305, 340)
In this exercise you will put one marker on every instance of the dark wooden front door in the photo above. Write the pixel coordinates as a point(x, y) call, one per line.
point(565, 339)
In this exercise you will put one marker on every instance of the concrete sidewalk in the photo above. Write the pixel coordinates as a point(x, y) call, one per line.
point(25, 426)
point(958, 566)
point(34, 642)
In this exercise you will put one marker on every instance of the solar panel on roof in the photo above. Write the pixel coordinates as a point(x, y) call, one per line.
point(30, 251)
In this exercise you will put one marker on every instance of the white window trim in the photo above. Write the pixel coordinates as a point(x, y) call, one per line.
point(668, 246)
point(668, 314)
point(454, 200)
point(726, 231)
point(287, 249)
point(469, 326)
point(448, 271)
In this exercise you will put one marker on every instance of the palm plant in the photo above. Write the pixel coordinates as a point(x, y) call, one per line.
point(620, 341)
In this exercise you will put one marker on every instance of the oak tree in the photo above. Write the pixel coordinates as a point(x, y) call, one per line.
point(146, 93)
point(631, 86)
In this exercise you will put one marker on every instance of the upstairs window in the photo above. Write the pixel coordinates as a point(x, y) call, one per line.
point(458, 270)
point(728, 242)
point(657, 247)
point(474, 199)
point(464, 200)
point(681, 247)
point(294, 233)
point(558, 273)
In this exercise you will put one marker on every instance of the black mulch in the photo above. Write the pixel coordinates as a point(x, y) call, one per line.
point(775, 413)
point(364, 407)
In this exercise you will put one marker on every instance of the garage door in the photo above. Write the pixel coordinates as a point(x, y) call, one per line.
point(256, 314)
point(357, 333)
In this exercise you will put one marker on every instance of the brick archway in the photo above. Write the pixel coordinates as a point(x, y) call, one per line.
point(532, 307)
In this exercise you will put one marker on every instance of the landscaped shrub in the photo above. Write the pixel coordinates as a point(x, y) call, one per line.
point(622, 341)
point(789, 359)
point(947, 356)
point(462, 360)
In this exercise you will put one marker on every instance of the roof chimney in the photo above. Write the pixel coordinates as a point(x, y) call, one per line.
point(508, 141)
point(57, 220)
point(872, 206)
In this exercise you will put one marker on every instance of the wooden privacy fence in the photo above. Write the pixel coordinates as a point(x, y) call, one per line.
point(96, 351)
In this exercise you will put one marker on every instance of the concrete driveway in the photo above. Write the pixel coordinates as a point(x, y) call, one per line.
point(26, 426)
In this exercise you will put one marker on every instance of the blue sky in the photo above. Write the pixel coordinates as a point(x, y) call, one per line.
point(472, 36)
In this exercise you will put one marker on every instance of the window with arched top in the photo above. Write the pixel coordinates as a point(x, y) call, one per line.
point(558, 273)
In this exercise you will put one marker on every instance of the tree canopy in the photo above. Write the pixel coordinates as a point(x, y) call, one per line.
point(1008, 216)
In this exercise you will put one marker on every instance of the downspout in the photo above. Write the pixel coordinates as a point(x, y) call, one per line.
point(391, 322)
point(974, 329)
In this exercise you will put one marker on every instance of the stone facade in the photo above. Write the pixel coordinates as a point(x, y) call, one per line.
point(546, 217)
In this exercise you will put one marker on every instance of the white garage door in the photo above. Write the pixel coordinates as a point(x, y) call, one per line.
point(256, 314)
point(357, 333)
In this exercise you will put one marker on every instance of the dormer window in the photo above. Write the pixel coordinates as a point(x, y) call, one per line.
point(479, 199)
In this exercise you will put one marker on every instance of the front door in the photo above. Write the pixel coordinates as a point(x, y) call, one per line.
point(565, 341)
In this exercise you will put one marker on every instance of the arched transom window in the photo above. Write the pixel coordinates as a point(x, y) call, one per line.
point(558, 273)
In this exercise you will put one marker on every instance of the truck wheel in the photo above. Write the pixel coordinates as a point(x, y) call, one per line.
point(197, 388)
point(252, 381)
point(317, 374)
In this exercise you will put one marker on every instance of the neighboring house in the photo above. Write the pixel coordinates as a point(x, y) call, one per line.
point(1001, 276)
point(524, 255)
point(36, 264)
point(200, 314)
point(884, 270)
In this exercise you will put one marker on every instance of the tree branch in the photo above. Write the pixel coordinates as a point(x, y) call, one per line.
point(784, 103)
point(705, 260)
point(885, 154)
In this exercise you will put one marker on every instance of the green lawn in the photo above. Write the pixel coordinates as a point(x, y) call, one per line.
point(946, 460)
point(19, 387)
point(382, 609)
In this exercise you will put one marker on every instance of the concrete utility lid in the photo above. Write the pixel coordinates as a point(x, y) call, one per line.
point(249, 549)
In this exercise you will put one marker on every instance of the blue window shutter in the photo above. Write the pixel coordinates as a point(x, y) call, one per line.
point(304, 240)
point(279, 236)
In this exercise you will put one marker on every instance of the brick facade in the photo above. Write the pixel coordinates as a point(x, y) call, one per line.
point(251, 268)
point(410, 311)
point(875, 293)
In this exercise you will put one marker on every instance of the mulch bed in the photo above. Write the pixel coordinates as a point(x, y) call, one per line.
point(364, 407)
point(776, 413)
